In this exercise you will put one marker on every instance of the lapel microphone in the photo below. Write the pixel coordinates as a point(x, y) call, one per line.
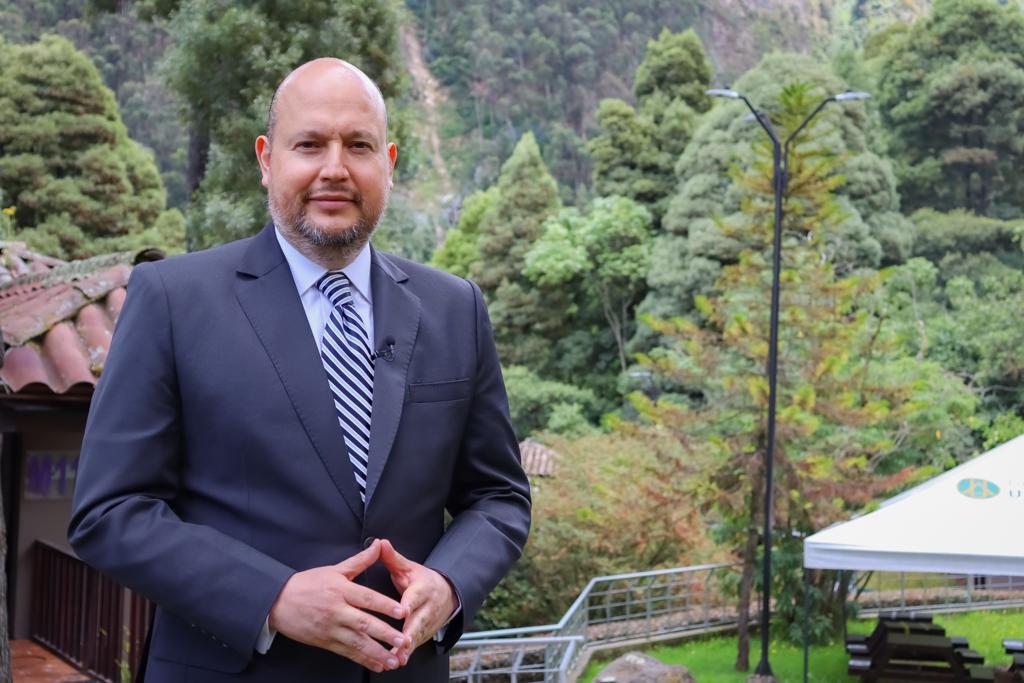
point(387, 352)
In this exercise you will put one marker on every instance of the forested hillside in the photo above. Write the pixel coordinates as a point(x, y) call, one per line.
point(540, 65)
point(566, 157)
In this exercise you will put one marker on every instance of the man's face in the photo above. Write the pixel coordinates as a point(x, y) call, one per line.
point(328, 166)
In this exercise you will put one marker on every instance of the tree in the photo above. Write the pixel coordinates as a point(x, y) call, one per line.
point(524, 321)
point(541, 405)
point(225, 63)
point(605, 255)
point(459, 251)
point(611, 507)
point(126, 50)
point(952, 305)
point(77, 183)
point(951, 92)
point(674, 67)
point(696, 241)
point(851, 423)
point(635, 152)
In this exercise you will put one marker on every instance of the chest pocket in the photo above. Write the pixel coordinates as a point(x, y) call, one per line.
point(435, 392)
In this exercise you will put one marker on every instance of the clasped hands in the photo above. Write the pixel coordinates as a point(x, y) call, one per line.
point(325, 608)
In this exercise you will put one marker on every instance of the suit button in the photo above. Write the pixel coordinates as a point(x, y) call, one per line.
point(368, 541)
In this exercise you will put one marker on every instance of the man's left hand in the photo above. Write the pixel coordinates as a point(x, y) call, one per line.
point(428, 597)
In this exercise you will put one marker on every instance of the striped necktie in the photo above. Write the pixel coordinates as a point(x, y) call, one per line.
point(346, 355)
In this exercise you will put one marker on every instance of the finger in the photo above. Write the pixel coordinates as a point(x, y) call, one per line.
point(393, 559)
point(364, 650)
point(414, 597)
point(362, 622)
point(361, 561)
point(416, 626)
point(368, 599)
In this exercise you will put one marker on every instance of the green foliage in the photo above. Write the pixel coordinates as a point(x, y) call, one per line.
point(958, 311)
point(527, 195)
point(459, 251)
point(540, 405)
point(700, 225)
point(603, 256)
point(634, 153)
point(846, 387)
point(1004, 427)
point(225, 63)
point(676, 68)
point(126, 50)
point(951, 93)
point(541, 65)
point(77, 182)
point(938, 234)
point(609, 508)
point(404, 231)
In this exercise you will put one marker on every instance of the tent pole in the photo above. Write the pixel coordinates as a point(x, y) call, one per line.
point(842, 592)
point(807, 617)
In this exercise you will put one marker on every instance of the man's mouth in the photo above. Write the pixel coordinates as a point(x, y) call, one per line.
point(330, 200)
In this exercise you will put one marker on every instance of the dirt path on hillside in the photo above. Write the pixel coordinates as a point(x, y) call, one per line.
point(429, 96)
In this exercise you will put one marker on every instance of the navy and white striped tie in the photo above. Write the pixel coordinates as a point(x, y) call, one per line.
point(346, 355)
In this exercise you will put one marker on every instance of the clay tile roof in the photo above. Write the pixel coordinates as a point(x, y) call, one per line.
point(57, 318)
point(538, 459)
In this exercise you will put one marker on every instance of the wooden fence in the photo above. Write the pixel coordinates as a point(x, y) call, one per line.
point(95, 623)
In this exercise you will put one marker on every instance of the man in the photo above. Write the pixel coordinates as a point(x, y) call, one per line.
point(283, 421)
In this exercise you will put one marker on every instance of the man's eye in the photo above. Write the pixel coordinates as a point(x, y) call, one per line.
point(306, 144)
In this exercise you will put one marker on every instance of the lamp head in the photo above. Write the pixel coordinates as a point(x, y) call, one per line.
point(723, 92)
point(851, 95)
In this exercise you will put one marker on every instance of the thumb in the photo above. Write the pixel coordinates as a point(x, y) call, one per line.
point(360, 562)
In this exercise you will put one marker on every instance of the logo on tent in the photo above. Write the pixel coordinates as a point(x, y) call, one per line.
point(979, 489)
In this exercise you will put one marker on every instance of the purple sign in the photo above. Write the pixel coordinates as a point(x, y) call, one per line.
point(50, 475)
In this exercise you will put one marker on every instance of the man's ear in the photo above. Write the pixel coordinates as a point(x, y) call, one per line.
point(263, 157)
point(392, 159)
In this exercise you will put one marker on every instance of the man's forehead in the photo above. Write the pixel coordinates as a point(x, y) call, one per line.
point(323, 87)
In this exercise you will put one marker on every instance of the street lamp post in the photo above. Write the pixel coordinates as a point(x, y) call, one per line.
point(780, 178)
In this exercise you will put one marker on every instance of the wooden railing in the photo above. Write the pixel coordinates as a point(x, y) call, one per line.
point(95, 623)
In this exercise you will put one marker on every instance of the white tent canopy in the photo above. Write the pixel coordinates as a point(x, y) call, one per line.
point(969, 520)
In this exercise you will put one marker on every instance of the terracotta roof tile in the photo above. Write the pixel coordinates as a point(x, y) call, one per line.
point(57, 318)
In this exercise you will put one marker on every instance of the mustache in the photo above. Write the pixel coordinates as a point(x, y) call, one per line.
point(347, 193)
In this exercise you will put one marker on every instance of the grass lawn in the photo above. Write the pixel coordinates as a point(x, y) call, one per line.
point(711, 660)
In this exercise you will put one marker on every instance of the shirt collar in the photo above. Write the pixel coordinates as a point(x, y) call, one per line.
point(306, 273)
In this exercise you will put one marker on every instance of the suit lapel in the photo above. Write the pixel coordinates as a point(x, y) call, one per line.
point(396, 313)
point(266, 291)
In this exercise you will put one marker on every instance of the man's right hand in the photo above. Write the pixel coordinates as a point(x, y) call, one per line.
point(324, 608)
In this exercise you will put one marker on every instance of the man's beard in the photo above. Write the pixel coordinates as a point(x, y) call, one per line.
point(295, 221)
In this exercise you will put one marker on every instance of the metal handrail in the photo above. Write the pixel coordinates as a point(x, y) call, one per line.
point(611, 608)
point(642, 606)
point(584, 596)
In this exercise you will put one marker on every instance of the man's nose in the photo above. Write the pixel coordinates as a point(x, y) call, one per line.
point(334, 166)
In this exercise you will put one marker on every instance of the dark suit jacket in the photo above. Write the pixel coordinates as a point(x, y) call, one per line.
point(213, 465)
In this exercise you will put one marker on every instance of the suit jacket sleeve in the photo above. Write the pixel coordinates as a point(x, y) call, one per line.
point(490, 495)
point(123, 518)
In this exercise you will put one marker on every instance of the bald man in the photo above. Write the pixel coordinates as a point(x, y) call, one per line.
point(283, 421)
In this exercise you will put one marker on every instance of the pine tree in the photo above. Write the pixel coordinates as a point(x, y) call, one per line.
point(524, 323)
point(77, 184)
point(635, 152)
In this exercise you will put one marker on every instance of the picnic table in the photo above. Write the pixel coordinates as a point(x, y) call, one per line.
point(908, 651)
